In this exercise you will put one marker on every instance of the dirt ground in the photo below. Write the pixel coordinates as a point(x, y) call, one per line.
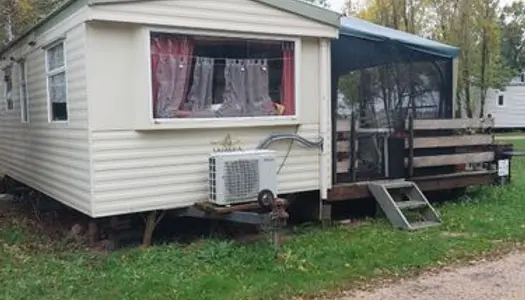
point(499, 280)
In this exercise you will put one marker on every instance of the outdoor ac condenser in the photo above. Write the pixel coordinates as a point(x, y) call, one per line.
point(238, 177)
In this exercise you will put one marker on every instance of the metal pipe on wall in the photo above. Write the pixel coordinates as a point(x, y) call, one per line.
point(325, 118)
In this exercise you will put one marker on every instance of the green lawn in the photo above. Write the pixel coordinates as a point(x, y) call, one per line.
point(511, 133)
point(489, 219)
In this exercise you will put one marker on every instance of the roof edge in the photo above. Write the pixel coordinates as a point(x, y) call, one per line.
point(306, 10)
point(298, 7)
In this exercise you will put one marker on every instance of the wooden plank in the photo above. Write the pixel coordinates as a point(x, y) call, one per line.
point(454, 182)
point(451, 124)
point(343, 125)
point(343, 146)
point(343, 166)
point(452, 159)
point(359, 190)
point(351, 191)
point(437, 142)
point(432, 124)
point(209, 207)
point(451, 141)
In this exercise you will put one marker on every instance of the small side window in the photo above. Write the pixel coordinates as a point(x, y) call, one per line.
point(501, 100)
point(56, 83)
point(24, 101)
point(8, 83)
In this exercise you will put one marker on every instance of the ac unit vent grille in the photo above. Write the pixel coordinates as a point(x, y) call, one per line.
point(213, 178)
point(241, 179)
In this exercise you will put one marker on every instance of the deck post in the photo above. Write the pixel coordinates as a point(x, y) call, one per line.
point(93, 233)
point(411, 146)
point(326, 214)
point(353, 148)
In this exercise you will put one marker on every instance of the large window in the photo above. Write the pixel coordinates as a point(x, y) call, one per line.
point(210, 77)
point(56, 83)
point(8, 88)
point(24, 101)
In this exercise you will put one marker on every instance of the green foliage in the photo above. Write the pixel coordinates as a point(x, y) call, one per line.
point(471, 25)
point(16, 16)
point(485, 220)
point(512, 22)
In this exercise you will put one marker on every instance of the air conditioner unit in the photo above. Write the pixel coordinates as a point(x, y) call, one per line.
point(238, 177)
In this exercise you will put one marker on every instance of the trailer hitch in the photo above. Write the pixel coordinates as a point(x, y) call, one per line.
point(278, 216)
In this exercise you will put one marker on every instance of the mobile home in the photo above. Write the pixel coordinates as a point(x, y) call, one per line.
point(113, 107)
point(118, 107)
point(507, 106)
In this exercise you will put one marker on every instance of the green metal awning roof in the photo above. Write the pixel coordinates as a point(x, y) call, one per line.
point(363, 44)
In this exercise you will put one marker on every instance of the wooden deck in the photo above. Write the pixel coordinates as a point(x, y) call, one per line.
point(436, 145)
point(359, 190)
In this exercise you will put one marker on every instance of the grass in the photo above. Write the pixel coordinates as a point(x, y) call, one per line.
point(511, 133)
point(487, 220)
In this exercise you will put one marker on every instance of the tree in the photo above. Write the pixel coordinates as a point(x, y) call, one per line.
point(471, 25)
point(512, 22)
point(16, 16)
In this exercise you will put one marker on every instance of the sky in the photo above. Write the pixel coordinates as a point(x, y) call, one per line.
point(338, 4)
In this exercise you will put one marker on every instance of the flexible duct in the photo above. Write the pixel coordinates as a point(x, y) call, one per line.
point(295, 137)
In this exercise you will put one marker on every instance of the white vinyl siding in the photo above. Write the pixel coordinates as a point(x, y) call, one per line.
point(511, 112)
point(135, 171)
point(98, 162)
point(52, 158)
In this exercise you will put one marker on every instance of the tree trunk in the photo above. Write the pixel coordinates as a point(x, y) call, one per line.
point(485, 61)
point(9, 29)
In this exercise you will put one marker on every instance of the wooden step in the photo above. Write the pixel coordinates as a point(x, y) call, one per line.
point(395, 211)
point(411, 205)
point(398, 185)
point(423, 225)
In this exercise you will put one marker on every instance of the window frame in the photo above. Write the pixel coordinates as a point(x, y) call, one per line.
point(4, 70)
point(235, 121)
point(54, 72)
point(502, 98)
point(22, 82)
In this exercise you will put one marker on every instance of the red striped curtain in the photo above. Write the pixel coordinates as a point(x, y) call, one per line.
point(174, 47)
point(288, 80)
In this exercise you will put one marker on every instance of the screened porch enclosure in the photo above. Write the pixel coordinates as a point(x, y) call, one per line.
point(381, 78)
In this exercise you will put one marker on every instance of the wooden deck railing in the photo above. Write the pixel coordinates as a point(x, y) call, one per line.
point(425, 134)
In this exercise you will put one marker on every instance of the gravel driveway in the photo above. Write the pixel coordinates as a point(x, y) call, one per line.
point(500, 280)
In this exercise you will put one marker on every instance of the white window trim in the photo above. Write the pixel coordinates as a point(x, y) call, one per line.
point(22, 92)
point(7, 109)
point(56, 71)
point(226, 122)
